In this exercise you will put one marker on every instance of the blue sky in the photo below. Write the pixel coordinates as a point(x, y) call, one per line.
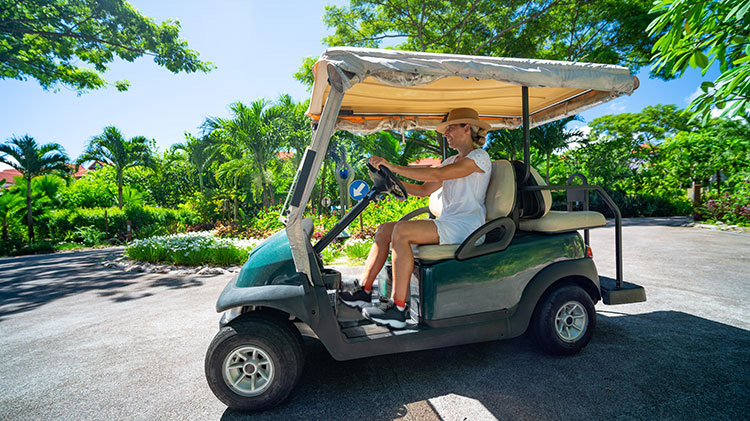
point(257, 47)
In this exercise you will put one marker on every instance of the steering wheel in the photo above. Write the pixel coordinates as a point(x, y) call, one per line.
point(386, 182)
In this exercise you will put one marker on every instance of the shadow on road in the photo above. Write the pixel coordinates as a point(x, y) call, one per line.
point(661, 365)
point(31, 281)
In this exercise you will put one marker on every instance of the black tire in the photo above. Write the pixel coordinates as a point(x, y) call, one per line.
point(572, 335)
point(277, 338)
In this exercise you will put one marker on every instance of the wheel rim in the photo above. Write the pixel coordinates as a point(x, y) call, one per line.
point(571, 321)
point(248, 370)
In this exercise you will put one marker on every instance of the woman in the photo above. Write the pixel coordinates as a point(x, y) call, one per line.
point(464, 178)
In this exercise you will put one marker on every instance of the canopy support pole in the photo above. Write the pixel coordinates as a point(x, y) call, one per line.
point(526, 135)
point(308, 173)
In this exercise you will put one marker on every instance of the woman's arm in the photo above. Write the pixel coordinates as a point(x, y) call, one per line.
point(458, 169)
point(422, 190)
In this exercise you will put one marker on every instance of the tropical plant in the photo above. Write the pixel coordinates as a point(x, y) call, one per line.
point(251, 132)
point(112, 148)
point(32, 160)
point(10, 205)
point(200, 152)
point(553, 136)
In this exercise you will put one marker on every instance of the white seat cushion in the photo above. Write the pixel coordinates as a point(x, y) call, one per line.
point(559, 221)
point(435, 252)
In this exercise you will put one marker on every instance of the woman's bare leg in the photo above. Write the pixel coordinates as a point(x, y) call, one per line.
point(378, 254)
point(404, 235)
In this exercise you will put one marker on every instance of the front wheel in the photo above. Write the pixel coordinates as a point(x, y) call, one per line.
point(254, 362)
point(564, 320)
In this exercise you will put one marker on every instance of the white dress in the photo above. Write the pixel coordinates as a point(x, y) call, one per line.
point(463, 200)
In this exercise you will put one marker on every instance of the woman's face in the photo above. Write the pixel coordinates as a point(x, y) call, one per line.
point(457, 135)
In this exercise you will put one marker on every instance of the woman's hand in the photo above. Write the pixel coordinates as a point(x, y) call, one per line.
point(377, 162)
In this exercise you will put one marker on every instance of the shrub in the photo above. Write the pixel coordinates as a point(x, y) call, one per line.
point(90, 236)
point(61, 223)
point(357, 249)
point(195, 248)
point(729, 208)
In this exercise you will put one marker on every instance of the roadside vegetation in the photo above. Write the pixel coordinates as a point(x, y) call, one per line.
point(232, 177)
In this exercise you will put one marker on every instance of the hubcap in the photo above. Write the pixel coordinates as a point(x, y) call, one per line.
point(248, 370)
point(571, 321)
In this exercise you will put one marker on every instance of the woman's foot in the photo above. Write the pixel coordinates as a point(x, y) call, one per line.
point(386, 314)
point(356, 297)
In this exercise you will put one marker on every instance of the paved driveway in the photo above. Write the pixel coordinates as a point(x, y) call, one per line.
point(82, 342)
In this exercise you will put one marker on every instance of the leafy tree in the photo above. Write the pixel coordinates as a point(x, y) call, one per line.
point(698, 33)
point(49, 40)
point(33, 160)
point(553, 136)
point(112, 148)
point(602, 31)
point(696, 156)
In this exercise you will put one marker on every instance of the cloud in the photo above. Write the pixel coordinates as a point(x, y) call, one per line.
point(617, 107)
point(691, 97)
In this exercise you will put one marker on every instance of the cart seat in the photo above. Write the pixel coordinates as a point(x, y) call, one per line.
point(499, 201)
point(548, 221)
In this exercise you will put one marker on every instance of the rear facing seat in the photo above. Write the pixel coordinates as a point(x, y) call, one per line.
point(550, 221)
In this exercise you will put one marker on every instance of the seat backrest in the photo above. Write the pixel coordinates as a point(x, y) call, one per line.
point(501, 192)
point(534, 204)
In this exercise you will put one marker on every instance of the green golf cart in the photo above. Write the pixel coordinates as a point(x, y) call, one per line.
point(533, 271)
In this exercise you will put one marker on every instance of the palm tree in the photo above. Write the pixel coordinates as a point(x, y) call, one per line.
point(253, 132)
point(295, 126)
point(33, 160)
point(201, 152)
point(505, 140)
point(553, 136)
point(113, 149)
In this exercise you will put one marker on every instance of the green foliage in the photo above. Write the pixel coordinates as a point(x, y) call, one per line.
point(90, 235)
point(603, 31)
point(33, 160)
point(112, 148)
point(96, 189)
point(51, 41)
point(698, 33)
point(61, 223)
point(190, 249)
point(357, 249)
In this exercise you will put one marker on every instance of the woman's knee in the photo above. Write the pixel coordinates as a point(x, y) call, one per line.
point(385, 231)
point(400, 233)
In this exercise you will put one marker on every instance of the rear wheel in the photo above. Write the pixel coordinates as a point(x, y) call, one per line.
point(254, 362)
point(564, 320)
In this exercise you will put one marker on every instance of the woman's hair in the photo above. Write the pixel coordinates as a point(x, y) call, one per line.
point(478, 135)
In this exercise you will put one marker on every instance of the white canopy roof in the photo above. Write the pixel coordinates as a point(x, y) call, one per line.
point(404, 90)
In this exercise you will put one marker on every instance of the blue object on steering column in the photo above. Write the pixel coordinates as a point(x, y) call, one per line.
point(358, 189)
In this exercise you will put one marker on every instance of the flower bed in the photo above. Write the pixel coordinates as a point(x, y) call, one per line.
point(193, 249)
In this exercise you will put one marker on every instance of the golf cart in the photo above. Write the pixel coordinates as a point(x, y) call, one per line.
point(533, 271)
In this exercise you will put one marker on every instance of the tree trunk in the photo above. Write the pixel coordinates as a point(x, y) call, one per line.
point(200, 180)
point(548, 168)
point(29, 218)
point(6, 235)
point(119, 188)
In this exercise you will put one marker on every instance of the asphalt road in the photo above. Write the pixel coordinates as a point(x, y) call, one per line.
point(82, 342)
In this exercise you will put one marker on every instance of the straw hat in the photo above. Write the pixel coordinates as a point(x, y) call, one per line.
point(463, 116)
